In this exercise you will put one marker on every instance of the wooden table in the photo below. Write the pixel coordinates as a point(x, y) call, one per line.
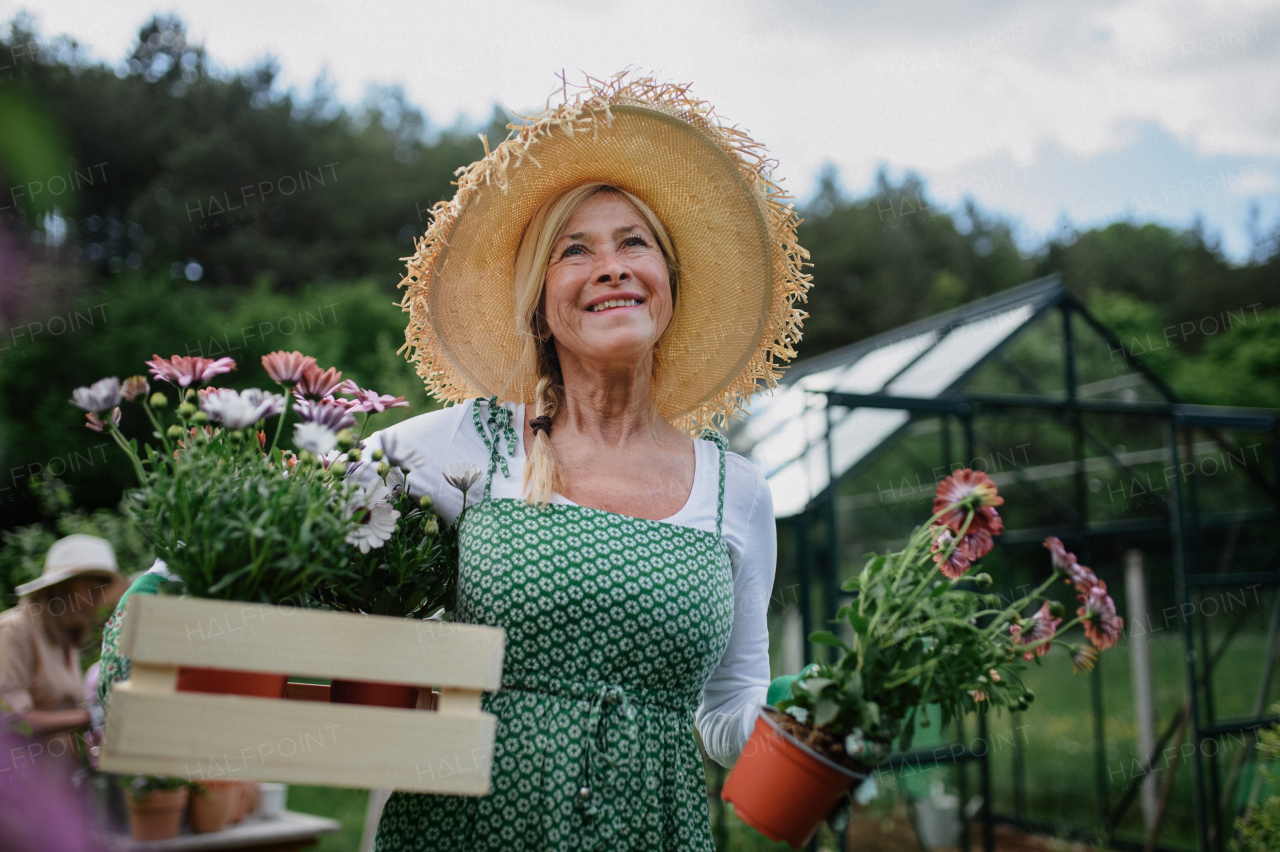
point(285, 833)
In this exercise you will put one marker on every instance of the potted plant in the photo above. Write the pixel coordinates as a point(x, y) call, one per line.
point(233, 516)
point(923, 632)
point(156, 805)
point(213, 803)
point(413, 575)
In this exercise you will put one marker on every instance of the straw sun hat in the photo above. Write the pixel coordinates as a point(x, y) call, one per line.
point(74, 556)
point(735, 322)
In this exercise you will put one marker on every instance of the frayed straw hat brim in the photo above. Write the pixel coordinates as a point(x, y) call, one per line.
point(734, 323)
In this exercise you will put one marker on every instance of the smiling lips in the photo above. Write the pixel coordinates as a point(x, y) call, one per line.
point(613, 303)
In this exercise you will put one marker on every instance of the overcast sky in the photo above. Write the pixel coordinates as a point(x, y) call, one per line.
point(1084, 112)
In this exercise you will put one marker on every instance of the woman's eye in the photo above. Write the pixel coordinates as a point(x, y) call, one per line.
point(636, 241)
point(573, 251)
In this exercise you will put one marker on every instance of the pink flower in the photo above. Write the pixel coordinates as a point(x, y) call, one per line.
point(1065, 561)
point(972, 547)
point(316, 383)
point(954, 566)
point(326, 413)
point(372, 401)
point(347, 388)
point(97, 424)
point(1035, 629)
point(1098, 617)
point(285, 368)
point(969, 490)
point(184, 371)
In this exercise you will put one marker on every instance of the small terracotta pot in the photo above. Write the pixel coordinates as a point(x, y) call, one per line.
point(211, 810)
point(239, 802)
point(782, 788)
point(157, 815)
point(373, 694)
point(249, 796)
point(231, 682)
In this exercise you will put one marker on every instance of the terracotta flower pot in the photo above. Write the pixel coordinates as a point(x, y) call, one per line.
point(211, 810)
point(373, 694)
point(249, 794)
point(157, 815)
point(239, 802)
point(782, 788)
point(231, 682)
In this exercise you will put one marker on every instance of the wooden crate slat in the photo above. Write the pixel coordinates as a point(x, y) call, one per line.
point(163, 630)
point(192, 735)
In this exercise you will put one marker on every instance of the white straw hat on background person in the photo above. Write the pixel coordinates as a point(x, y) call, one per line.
point(75, 556)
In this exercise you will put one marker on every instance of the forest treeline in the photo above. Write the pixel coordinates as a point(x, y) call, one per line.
point(169, 205)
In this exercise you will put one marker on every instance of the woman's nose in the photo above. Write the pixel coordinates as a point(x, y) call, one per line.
point(610, 268)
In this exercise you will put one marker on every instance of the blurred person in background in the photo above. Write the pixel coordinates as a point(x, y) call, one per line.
point(41, 683)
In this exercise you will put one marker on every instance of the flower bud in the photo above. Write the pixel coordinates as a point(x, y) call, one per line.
point(338, 468)
point(187, 409)
point(1029, 696)
point(175, 431)
point(346, 438)
point(432, 526)
point(159, 400)
point(353, 454)
point(190, 395)
point(983, 580)
point(1057, 610)
point(424, 501)
point(924, 721)
point(378, 454)
point(199, 417)
point(383, 468)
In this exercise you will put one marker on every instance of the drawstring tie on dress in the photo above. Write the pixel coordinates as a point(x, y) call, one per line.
point(596, 750)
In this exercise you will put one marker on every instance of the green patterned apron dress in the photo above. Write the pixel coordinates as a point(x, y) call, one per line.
point(614, 624)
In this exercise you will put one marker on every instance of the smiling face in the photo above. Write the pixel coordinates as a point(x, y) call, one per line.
point(608, 288)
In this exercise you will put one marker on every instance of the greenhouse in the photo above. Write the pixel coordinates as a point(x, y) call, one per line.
point(1173, 505)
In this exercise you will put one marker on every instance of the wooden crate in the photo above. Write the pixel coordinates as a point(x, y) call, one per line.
point(153, 729)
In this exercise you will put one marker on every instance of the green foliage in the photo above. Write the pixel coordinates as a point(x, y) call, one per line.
point(1239, 367)
point(414, 574)
point(22, 549)
point(186, 162)
point(140, 785)
point(894, 257)
point(1259, 830)
point(234, 522)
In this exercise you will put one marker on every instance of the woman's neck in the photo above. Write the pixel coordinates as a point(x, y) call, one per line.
point(608, 403)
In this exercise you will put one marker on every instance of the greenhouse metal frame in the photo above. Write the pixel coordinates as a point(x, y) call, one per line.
point(835, 416)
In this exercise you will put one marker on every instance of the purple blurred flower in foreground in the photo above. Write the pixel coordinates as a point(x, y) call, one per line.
point(39, 810)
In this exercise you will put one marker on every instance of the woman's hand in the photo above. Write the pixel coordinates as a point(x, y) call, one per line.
point(46, 722)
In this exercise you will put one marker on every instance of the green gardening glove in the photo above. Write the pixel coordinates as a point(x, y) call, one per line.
point(780, 687)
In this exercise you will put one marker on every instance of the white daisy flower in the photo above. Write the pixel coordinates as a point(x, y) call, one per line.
point(240, 410)
point(314, 438)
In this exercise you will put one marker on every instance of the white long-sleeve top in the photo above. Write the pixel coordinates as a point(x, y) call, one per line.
point(737, 688)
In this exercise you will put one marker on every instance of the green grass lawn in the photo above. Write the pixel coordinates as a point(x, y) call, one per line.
point(346, 806)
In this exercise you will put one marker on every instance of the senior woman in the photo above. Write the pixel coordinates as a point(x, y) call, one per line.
point(607, 282)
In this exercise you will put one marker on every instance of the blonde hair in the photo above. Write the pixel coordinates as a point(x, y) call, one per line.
point(542, 477)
